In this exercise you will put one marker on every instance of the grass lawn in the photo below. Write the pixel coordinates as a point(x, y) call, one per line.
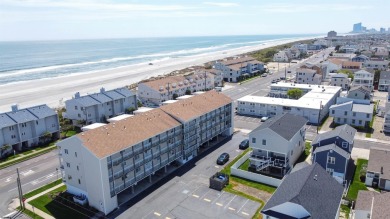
point(30, 214)
point(346, 210)
point(60, 207)
point(356, 184)
point(42, 189)
point(70, 133)
point(245, 165)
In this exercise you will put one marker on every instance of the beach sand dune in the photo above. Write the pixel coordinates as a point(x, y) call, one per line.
point(54, 91)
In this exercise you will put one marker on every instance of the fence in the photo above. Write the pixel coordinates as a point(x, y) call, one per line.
point(252, 176)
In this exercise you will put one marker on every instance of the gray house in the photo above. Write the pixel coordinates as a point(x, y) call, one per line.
point(307, 193)
point(378, 168)
point(384, 81)
point(360, 58)
point(342, 136)
point(29, 127)
point(359, 92)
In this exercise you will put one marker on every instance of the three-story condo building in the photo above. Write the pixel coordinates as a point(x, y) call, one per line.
point(24, 128)
point(102, 163)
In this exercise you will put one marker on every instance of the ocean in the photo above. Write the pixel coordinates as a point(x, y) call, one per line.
point(24, 61)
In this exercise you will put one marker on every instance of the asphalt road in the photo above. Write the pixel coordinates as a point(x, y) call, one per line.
point(33, 174)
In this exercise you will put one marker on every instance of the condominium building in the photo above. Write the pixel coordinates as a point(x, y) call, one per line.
point(313, 105)
point(155, 92)
point(108, 163)
point(29, 127)
point(376, 65)
point(234, 69)
point(340, 80)
point(99, 107)
point(356, 113)
point(384, 81)
point(363, 78)
point(307, 76)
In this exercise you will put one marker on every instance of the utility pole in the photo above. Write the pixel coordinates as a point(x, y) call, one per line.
point(319, 114)
point(168, 90)
point(21, 200)
point(205, 85)
point(285, 74)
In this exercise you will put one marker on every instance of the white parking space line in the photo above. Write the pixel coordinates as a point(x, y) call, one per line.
point(244, 213)
point(196, 196)
point(219, 204)
point(157, 214)
point(207, 200)
point(243, 205)
point(232, 209)
point(217, 167)
point(231, 202)
point(205, 194)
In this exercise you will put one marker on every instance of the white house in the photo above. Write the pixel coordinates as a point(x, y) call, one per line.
point(376, 65)
point(113, 163)
point(384, 81)
point(301, 47)
point(277, 144)
point(340, 80)
point(363, 78)
point(352, 112)
point(307, 76)
point(99, 107)
point(313, 105)
point(281, 56)
point(29, 127)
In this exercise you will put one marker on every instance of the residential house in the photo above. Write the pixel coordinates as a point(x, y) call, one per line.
point(99, 107)
point(384, 81)
point(306, 193)
point(313, 47)
point(301, 47)
point(363, 78)
point(218, 75)
point(376, 65)
point(353, 66)
point(307, 76)
point(281, 56)
point(113, 163)
point(237, 68)
point(332, 150)
point(386, 125)
point(360, 93)
point(371, 204)
point(354, 114)
point(378, 168)
point(340, 80)
point(360, 58)
point(277, 144)
point(25, 128)
point(154, 92)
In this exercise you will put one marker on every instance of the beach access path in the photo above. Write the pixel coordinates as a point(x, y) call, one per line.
point(54, 91)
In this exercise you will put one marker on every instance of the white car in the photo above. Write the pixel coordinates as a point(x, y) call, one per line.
point(263, 119)
point(264, 75)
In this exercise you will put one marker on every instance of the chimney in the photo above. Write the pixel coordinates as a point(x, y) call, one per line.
point(77, 95)
point(15, 107)
point(102, 90)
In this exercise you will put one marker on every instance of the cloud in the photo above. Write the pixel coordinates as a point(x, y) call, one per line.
point(221, 4)
point(92, 5)
point(297, 8)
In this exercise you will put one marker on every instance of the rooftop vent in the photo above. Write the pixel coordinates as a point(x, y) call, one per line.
point(15, 107)
point(315, 177)
point(77, 95)
point(102, 90)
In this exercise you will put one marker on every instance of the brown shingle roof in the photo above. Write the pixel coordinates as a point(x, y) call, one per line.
point(198, 105)
point(237, 60)
point(155, 84)
point(117, 136)
point(364, 200)
point(354, 64)
point(381, 206)
point(378, 160)
point(336, 61)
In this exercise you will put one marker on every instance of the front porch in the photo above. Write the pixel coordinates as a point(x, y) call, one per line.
point(274, 165)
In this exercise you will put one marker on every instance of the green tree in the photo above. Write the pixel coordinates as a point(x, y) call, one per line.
point(347, 72)
point(174, 96)
point(188, 92)
point(4, 148)
point(130, 110)
point(139, 104)
point(66, 126)
point(337, 48)
point(295, 93)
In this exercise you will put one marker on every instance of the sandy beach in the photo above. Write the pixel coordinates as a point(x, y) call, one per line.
point(54, 91)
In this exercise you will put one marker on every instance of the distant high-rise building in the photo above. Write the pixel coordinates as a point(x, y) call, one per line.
point(388, 29)
point(364, 29)
point(332, 33)
point(382, 30)
point(357, 27)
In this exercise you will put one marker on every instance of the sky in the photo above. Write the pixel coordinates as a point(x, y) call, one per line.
point(96, 19)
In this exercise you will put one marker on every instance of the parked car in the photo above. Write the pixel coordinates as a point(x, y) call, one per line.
point(223, 158)
point(282, 78)
point(264, 75)
point(263, 119)
point(244, 144)
point(278, 79)
point(273, 81)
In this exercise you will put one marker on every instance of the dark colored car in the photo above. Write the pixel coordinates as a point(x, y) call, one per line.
point(244, 144)
point(223, 158)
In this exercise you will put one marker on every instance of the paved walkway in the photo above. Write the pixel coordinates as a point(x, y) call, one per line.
point(21, 156)
point(29, 207)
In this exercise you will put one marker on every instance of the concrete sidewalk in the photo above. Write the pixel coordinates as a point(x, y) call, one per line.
point(21, 156)
point(29, 207)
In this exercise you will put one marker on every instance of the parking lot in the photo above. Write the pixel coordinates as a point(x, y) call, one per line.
point(187, 194)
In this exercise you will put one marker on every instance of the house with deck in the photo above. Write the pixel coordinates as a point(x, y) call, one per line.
point(378, 168)
point(371, 204)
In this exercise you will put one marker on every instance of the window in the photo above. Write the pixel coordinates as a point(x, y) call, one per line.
point(354, 114)
point(79, 115)
point(264, 142)
point(75, 107)
point(345, 113)
point(331, 160)
point(360, 122)
point(69, 177)
point(68, 164)
point(344, 144)
point(37, 122)
point(368, 116)
point(345, 120)
point(332, 111)
point(353, 121)
point(66, 151)
point(330, 171)
point(253, 140)
point(292, 152)
point(138, 169)
point(79, 181)
point(75, 154)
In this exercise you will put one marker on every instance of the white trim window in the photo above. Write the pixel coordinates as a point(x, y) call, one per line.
point(330, 171)
point(344, 144)
point(331, 160)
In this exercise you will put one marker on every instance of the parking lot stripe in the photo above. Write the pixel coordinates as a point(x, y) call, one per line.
point(205, 194)
point(230, 202)
point(207, 200)
point(219, 204)
point(196, 196)
point(243, 205)
point(158, 214)
point(167, 218)
point(217, 167)
point(232, 209)
point(244, 213)
point(219, 196)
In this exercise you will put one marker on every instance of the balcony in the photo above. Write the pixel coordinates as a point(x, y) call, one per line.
point(129, 169)
point(148, 171)
point(147, 158)
point(129, 181)
point(164, 162)
point(109, 164)
point(147, 146)
point(128, 155)
point(154, 144)
point(163, 138)
point(118, 174)
point(139, 176)
point(138, 150)
point(164, 150)
point(139, 163)
point(156, 154)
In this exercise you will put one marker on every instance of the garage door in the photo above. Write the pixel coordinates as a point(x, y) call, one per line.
point(387, 185)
